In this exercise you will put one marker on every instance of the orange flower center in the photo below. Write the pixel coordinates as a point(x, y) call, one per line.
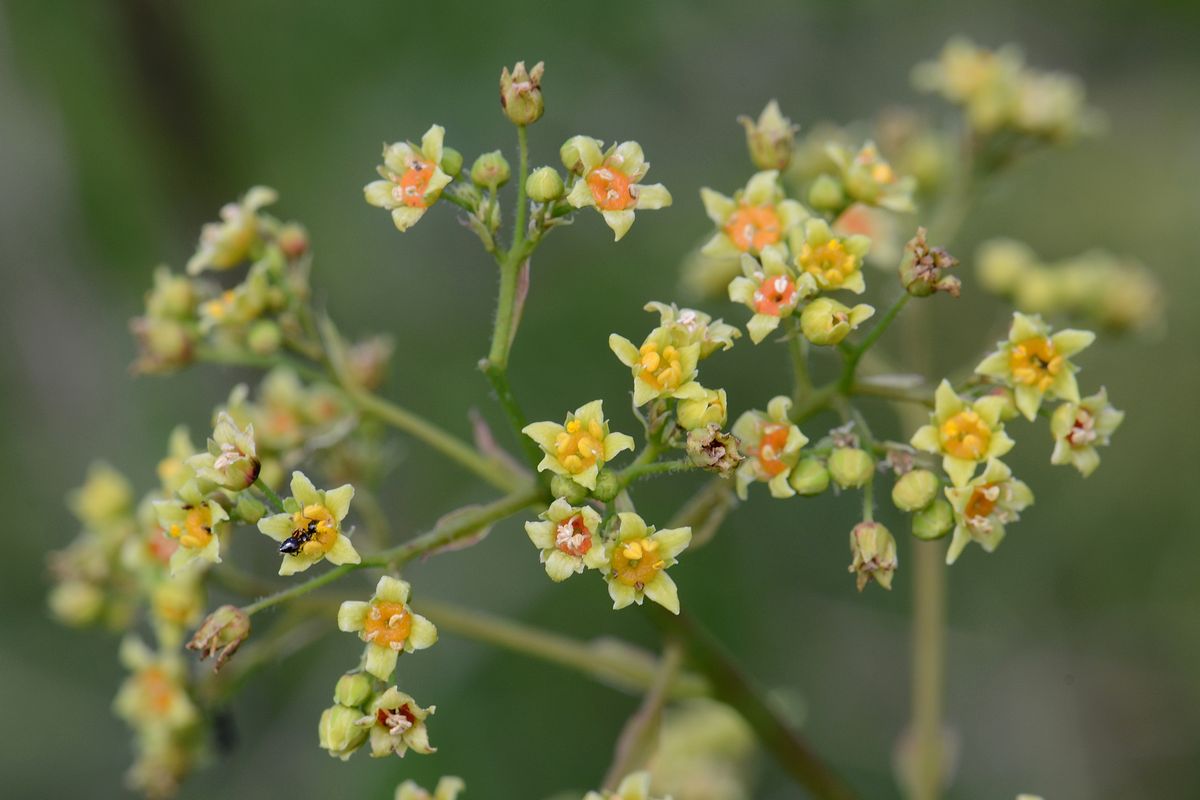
point(573, 537)
point(636, 563)
point(580, 446)
point(610, 188)
point(157, 690)
point(982, 501)
point(751, 228)
point(966, 436)
point(828, 262)
point(769, 451)
point(660, 368)
point(1034, 362)
point(411, 188)
point(387, 625)
point(773, 294)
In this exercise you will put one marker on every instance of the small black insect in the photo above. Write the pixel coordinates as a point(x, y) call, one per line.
point(291, 545)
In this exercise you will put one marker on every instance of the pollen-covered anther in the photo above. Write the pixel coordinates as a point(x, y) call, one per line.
point(578, 446)
point(775, 293)
point(1034, 362)
point(829, 261)
point(662, 369)
point(387, 624)
point(572, 537)
point(966, 436)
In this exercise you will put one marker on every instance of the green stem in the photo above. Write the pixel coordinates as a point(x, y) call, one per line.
point(868, 500)
point(269, 493)
point(802, 385)
point(928, 654)
point(455, 527)
point(636, 471)
point(638, 738)
point(522, 176)
point(609, 661)
point(918, 395)
point(734, 688)
point(855, 354)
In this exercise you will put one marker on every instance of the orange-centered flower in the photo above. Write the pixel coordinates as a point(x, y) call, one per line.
point(774, 293)
point(157, 690)
point(196, 530)
point(828, 261)
point(751, 228)
point(1034, 362)
point(412, 187)
point(982, 501)
point(770, 448)
point(577, 446)
point(611, 189)
point(636, 563)
point(965, 436)
point(388, 624)
point(573, 537)
point(660, 368)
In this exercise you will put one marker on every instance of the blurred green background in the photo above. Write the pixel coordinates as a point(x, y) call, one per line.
point(1074, 650)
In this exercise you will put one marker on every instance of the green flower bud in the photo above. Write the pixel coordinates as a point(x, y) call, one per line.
point(607, 486)
point(827, 322)
point(491, 170)
point(874, 551)
point(569, 490)
point(353, 689)
point(851, 467)
point(712, 449)
point(340, 732)
point(771, 138)
point(292, 240)
point(249, 509)
point(452, 161)
point(810, 477)
point(221, 634)
point(521, 93)
point(544, 184)
point(826, 193)
point(935, 521)
point(915, 490)
point(76, 603)
point(264, 337)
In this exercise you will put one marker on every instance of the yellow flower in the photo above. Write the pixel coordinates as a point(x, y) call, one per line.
point(664, 366)
point(580, 446)
point(639, 561)
point(984, 506)
point(387, 625)
point(310, 529)
point(769, 288)
point(1079, 428)
point(834, 262)
point(772, 445)
point(964, 434)
point(569, 539)
point(609, 181)
point(1034, 362)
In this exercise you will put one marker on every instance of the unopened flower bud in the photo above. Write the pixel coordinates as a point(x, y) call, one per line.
point(353, 689)
point(810, 477)
point(922, 267)
point(491, 170)
point(771, 139)
point(703, 411)
point(292, 240)
point(452, 162)
point(569, 153)
point(826, 193)
point(934, 521)
point(367, 361)
point(874, 552)
point(914, 490)
point(851, 467)
point(76, 603)
point(607, 486)
point(544, 185)
point(164, 344)
point(569, 490)
point(220, 635)
point(521, 93)
point(827, 322)
point(264, 337)
point(712, 449)
point(339, 732)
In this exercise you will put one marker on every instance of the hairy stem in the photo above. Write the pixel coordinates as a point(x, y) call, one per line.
point(269, 493)
point(454, 528)
point(855, 354)
point(802, 386)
